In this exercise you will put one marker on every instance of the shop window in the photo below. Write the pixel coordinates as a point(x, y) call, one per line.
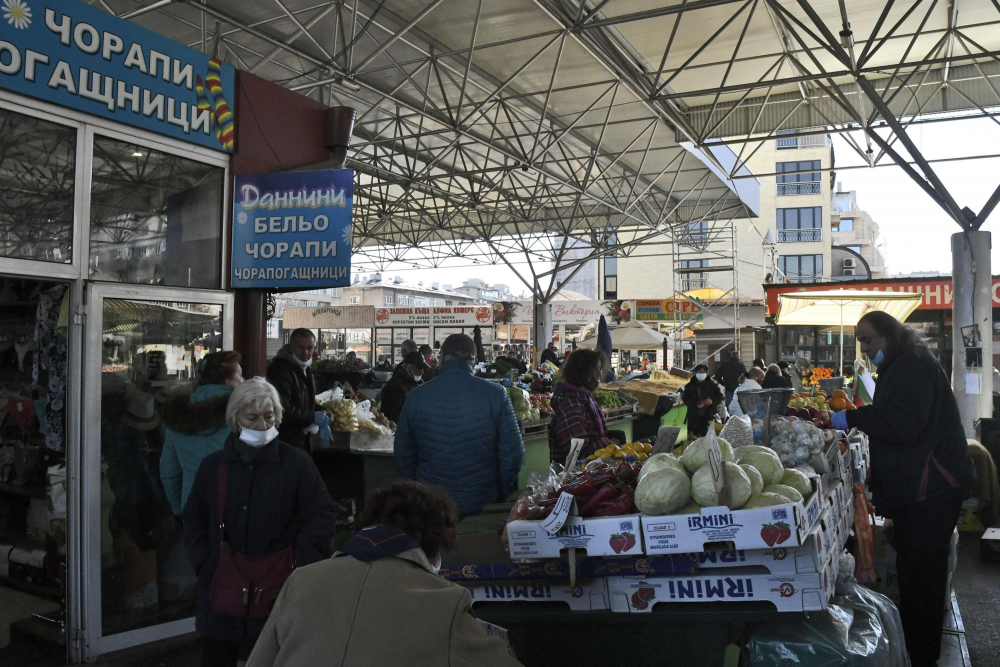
point(37, 170)
point(33, 378)
point(149, 352)
point(145, 198)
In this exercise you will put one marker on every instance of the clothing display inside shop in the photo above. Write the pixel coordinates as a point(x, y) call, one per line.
point(33, 371)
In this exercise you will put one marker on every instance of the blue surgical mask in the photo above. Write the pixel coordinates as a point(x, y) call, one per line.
point(879, 358)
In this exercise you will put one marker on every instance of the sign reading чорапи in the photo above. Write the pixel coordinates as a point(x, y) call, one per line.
point(77, 56)
point(292, 229)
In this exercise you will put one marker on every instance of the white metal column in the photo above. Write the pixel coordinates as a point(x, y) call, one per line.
point(972, 326)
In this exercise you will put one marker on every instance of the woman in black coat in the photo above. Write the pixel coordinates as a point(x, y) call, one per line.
point(702, 396)
point(920, 470)
point(275, 498)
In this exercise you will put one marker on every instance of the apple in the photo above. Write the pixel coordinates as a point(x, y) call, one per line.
point(791, 412)
point(813, 412)
point(803, 413)
point(818, 423)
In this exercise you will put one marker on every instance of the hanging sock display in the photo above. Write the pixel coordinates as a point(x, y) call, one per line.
point(50, 343)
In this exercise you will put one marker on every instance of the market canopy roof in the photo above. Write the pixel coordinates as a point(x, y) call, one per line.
point(842, 307)
point(487, 131)
point(633, 335)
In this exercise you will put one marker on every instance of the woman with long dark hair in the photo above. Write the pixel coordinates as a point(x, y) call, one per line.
point(575, 413)
point(920, 470)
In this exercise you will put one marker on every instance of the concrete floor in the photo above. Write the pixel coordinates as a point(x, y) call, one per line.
point(977, 585)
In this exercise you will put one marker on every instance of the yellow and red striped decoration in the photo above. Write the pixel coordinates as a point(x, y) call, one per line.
point(204, 105)
point(222, 110)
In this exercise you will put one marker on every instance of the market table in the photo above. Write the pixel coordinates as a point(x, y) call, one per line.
point(536, 440)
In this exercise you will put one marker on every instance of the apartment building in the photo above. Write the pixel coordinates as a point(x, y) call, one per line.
point(857, 254)
point(380, 291)
point(484, 293)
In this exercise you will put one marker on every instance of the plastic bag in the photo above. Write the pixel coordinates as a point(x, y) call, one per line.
point(860, 628)
point(738, 431)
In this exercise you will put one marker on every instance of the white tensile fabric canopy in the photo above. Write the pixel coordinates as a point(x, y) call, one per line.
point(633, 335)
point(842, 307)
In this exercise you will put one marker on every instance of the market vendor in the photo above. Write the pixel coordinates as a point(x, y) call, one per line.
point(290, 374)
point(920, 470)
point(459, 432)
point(549, 355)
point(409, 375)
point(702, 396)
point(575, 413)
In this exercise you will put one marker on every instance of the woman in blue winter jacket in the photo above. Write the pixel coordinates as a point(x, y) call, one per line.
point(196, 425)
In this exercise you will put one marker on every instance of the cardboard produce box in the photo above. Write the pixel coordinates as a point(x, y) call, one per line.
point(815, 551)
point(596, 536)
point(589, 595)
point(784, 525)
point(585, 568)
point(788, 592)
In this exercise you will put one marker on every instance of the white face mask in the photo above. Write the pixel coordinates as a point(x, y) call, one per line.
point(418, 378)
point(436, 565)
point(701, 376)
point(258, 438)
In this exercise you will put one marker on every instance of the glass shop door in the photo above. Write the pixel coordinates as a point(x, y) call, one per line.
point(142, 346)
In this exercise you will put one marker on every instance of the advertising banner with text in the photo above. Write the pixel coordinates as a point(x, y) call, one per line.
point(579, 313)
point(436, 316)
point(936, 292)
point(77, 56)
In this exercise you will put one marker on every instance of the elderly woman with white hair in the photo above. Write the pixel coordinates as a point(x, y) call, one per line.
point(258, 508)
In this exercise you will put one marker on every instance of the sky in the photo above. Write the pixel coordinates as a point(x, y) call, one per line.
point(915, 231)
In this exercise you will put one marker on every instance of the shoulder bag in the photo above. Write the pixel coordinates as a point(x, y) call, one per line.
point(241, 586)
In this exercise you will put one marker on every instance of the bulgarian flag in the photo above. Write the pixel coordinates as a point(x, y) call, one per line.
point(864, 384)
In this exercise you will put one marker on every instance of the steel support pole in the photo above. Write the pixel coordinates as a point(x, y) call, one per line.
point(543, 327)
point(972, 327)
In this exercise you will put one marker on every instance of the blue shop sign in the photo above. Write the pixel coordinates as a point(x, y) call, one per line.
point(293, 229)
point(72, 54)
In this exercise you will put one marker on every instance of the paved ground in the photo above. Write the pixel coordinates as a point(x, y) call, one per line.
point(977, 585)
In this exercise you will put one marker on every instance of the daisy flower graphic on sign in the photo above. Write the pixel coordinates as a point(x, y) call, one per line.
point(17, 13)
point(241, 217)
point(347, 235)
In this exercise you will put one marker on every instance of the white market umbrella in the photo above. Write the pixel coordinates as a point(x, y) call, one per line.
point(633, 335)
point(840, 307)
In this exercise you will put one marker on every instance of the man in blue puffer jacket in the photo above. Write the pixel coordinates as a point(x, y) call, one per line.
point(459, 432)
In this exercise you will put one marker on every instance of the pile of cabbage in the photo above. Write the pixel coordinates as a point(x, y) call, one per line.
point(683, 485)
point(794, 441)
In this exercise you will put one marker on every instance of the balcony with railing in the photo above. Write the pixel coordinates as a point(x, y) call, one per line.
point(800, 235)
point(689, 284)
point(802, 278)
point(785, 143)
point(804, 188)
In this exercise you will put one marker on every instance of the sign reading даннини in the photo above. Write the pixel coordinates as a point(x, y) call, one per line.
point(293, 229)
point(74, 55)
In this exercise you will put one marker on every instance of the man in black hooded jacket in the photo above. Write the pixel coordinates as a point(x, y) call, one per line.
point(290, 374)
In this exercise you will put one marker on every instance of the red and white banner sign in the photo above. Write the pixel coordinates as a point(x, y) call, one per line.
point(438, 316)
point(937, 293)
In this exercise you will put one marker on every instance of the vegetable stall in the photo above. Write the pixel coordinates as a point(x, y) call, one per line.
point(694, 550)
